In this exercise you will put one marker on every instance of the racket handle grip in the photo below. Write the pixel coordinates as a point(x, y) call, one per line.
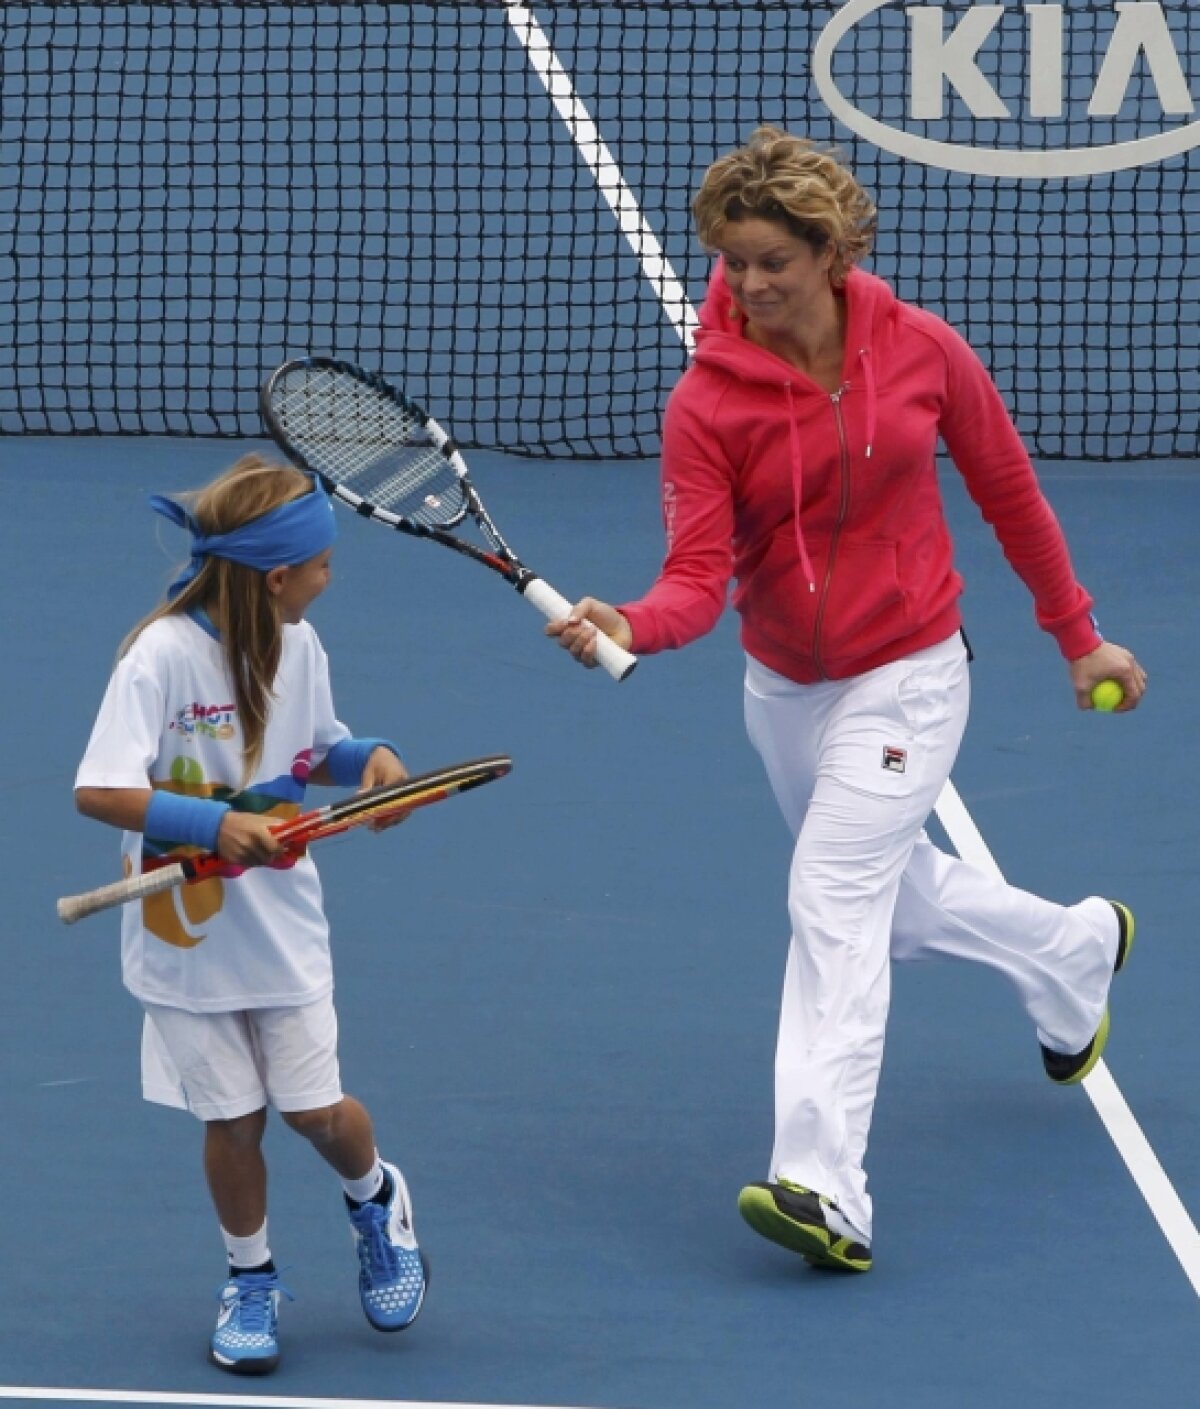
point(554, 606)
point(78, 907)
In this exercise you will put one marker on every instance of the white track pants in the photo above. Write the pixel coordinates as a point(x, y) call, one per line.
point(856, 767)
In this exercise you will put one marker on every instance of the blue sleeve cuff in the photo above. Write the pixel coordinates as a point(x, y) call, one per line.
point(346, 760)
point(192, 821)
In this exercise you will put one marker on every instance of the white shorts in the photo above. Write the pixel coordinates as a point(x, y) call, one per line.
point(223, 1065)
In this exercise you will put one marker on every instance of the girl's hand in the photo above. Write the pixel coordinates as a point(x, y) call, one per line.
point(247, 840)
point(577, 632)
point(383, 767)
point(1108, 662)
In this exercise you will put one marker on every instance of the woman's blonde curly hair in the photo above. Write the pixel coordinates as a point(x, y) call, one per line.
point(776, 176)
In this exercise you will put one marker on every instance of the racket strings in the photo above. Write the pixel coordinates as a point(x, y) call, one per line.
point(370, 444)
point(424, 489)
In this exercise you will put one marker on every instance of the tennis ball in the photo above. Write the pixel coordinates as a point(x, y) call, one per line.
point(1107, 696)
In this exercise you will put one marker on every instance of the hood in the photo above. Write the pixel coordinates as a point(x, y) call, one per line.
point(721, 339)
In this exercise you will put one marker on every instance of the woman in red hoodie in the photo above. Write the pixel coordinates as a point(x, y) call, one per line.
point(799, 459)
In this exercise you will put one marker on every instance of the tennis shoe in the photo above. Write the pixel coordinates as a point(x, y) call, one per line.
point(800, 1220)
point(1070, 1068)
point(392, 1271)
point(246, 1340)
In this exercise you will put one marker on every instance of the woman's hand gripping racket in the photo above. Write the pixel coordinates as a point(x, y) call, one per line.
point(386, 458)
point(376, 805)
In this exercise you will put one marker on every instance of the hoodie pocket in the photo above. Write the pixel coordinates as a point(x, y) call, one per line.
point(864, 606)
point(773, 594)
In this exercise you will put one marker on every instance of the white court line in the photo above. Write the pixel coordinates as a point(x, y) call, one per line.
point(1143, 1164)
point(231, 1401)
point(1112, 1108)
point(594, 151)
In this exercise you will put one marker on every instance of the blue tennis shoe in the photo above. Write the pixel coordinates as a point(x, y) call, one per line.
point(246, 1340)
point(392, 1271)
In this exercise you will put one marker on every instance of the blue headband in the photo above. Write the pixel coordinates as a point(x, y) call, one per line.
point(290, 534)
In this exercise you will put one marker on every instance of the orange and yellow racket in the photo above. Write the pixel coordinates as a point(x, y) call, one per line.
point(376, 805)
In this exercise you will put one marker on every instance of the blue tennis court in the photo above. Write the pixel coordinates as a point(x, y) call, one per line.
point(559, 995)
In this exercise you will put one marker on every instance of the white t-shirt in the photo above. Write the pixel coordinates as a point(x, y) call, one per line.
point(168, 719)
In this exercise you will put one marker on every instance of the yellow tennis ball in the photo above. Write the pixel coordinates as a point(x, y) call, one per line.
point(1107, 696)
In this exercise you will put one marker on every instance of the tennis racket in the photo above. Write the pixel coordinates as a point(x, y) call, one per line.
point(375, 805)
point(385, 457)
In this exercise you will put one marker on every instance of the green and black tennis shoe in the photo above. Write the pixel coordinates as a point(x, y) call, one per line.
point(1070, 1068)
point(795, 1218)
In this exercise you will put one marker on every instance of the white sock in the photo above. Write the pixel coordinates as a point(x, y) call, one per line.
point(837, 1224)
point(364, 1190)
point(247, 1252)
point(834, 1219)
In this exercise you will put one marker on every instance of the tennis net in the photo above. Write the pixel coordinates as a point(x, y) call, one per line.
point(192, 192)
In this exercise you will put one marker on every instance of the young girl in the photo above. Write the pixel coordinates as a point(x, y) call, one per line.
point(217, 717)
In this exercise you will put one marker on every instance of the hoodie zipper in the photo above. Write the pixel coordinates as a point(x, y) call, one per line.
point(835, 398)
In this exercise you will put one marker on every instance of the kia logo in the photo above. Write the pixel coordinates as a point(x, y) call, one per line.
point(942, 57)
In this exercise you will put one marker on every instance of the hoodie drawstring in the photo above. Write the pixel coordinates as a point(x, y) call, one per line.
point(864, 358)
point(797, 482)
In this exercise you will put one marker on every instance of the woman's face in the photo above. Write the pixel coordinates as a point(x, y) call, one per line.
point(777, 279)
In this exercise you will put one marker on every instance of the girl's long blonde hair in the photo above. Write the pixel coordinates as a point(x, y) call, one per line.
point(236, 595)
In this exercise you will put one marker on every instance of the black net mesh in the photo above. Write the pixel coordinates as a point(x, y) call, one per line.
point(191, 193)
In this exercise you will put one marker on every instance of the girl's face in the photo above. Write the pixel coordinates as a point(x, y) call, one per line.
point(777, 279)
point(296, 588)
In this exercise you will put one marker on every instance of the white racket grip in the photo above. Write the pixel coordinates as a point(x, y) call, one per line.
point(78, 907)
point(554, 606)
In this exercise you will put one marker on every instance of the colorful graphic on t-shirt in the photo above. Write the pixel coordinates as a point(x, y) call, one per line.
point(301, 768)
point(212, 721)
point(174, 915)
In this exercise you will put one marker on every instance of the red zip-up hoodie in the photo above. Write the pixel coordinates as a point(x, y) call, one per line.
point(826, 507)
